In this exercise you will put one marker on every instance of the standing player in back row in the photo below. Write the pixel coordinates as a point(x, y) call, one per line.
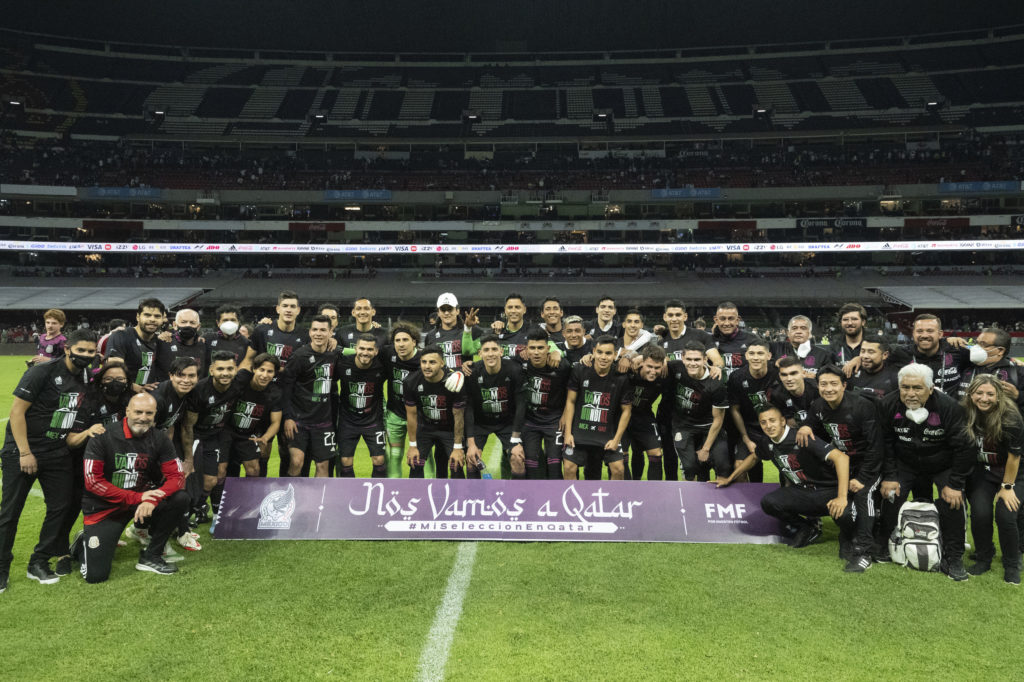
point(362, 312)
point(138, 346)
point(540, 412)
point(362, 378)
point(400, 359)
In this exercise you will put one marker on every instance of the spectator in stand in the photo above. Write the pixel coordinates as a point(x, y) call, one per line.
point(51, 345)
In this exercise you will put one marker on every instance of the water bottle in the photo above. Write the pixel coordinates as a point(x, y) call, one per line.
point(484, 474)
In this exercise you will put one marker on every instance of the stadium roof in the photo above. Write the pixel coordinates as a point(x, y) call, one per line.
point(114, 298)
point(954, 297)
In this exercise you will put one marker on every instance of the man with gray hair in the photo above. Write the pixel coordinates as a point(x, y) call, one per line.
point(798, 344)
point(926, 441)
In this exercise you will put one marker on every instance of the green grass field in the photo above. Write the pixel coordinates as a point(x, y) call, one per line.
point(532, 611)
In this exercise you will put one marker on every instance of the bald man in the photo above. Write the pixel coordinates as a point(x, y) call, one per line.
point(131, 474)
point(183, 341)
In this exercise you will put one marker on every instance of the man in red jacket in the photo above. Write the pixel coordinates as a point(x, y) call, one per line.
point(131, 474)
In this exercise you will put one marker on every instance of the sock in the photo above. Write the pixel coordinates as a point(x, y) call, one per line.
point(394, 461)
point(626, 474)
point(593, 469)
point(346, 471)
point(473, 472)
point(533, 470)
point(215, 495)
point(416, 472)
point(263, 468)
point(519, 477)
point(654, 468)
point(636, 467)
point(380, 471)
point(555, 468)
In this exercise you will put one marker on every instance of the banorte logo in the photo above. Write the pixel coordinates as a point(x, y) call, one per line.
point(412, 248)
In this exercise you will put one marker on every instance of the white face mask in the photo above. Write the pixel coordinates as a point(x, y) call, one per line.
point(229, 328)
point(918, 414)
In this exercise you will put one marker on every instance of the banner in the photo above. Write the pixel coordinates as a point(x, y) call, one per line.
point(687, 193)
point(439, 509)
point(123, 192)
point(831, 222)
point(981, 187)
point(357, 195)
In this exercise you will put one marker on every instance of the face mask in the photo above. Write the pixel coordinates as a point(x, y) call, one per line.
point(918, 414)
point(186, 333)
point(228, 328)
point(81, 361)
point(114, 389)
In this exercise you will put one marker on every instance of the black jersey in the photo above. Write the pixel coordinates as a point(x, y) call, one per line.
point(237, 345)
point(397, 370)
point(169, 352)
point(599, 401)
point(307, 386)
point(691, 402)
point(992, 454)
point(733, 349)
point(574, 355)
point(96, 409)
point(842, 352)
point(514, 343)
point(593, 330)
point(56, 395)
point(947, 364)
point(169, 405)
point(543, 394)
point(348, 335)
point(434, 402)
point(750, 393)
point(269, 338)
point(555, 337)
point(643, 395)
point(212, 406)
point(250, 413)
point(816, 358)
point(876, 385)
point(853, 428)
point(791, 406)
point(675, 347)
point(493, 398)
point(450, 341)
point(805, 467)
point(139, 356)
point(361, 401)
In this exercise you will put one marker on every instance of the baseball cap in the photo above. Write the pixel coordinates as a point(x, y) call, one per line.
point(447, 298)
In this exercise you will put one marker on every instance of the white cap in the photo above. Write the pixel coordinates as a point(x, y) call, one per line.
point(447, 298)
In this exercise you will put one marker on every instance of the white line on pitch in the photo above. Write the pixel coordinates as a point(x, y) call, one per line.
point(439, 640)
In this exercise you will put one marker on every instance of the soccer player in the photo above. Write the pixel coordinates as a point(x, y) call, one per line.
point(645, 386)
point(46, 402)
point(448, 333)
point(633, 340)
point(850, 422)
point(229, 337)
point(138, 345)
point(817, 477)
point(598, 405)
point(605, 322)
point(493, 394)
point(363, 313)
point(551, 313)
point(846, 347)
point(255, 417)
point(540, 413)
point(362, 377)
point(794, 393)
point(185, 342)
point(51, 342)
point(995, 342)
point(513, 334)
point(574, 344)
point(926, 438)
point(798, 344)
point(748, 388)
point(400, 359)
point(696, 404)
point(307, 384)
point(123, 467)
point(436, 417)
point(730, 341)
point(876, 378)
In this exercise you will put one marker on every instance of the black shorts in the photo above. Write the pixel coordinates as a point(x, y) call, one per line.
point(315, 442)
point(642, 435)
point(582, 453)
point(243, 450)
point(211, 452)
point(503, 432)
point(373, 436)
point(542, 442)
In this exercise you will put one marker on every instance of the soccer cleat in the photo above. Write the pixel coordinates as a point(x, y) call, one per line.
point(190, 541)
point(155, 565)
point(858, 564)
point(171, 555)
point(202, 515)
point(1011, 576)
point(63, 566)
point(3, 582)
point(140, 535)
point(40, 571)
point(806, 536)
point(980, 567)
point(954, 568)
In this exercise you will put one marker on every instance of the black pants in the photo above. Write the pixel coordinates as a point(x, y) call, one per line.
point(983, 487)
point(798, 506)
point(54, 475)
point(952, 522)
point(100, 539)
point(74, 503)
point(865, 516)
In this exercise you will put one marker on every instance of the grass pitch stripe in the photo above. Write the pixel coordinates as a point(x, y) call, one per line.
point(439, 640)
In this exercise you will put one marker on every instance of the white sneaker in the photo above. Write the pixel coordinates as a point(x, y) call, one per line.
point(171, 556)
point(190, 541)
point(140, 535)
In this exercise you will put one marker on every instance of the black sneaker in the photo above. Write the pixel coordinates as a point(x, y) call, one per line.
point(155, 565)
point(3, 582)
point(858, 564)
point(40, 571)
point(1010, 576)
point(202, 515)
point(63, 566)
point(806, 536)
point(980, 567)
point(954, 568)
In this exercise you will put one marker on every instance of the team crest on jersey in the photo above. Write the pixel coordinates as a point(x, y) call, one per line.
point(311, 359)
point(348, 372)
point(212, 400)
point(174, 348)
point(586, 383)
point(276, 510)
point(58, 381)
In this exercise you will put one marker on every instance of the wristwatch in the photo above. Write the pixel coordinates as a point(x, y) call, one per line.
point(1008, 486)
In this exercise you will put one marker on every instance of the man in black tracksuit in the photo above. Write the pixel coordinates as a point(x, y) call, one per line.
point(926, 440)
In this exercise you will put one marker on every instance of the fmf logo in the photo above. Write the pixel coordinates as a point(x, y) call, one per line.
point(724, 511)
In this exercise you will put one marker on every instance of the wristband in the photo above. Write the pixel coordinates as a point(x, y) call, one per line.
point(412, 444)
point(457, 446)
point(515, 441)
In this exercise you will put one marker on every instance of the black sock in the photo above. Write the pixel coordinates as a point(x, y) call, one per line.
point(555, 468)
point(380, 471)
point(215, 495)
point(416, 472)
point(533, 470)
point(346, 471)
point(473, 472)
point(636, 466)
point(654, 468)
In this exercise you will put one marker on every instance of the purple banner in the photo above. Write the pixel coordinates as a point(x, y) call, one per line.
point(437, 509)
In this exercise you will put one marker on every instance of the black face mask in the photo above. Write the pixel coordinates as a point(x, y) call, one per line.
point(81, 361)
point(186, 333)
point(114, 389)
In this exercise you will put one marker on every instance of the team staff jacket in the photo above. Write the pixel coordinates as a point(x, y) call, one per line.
point(120, 467)
point(816, 358)
point(307, 386)
point(691, 402)
point(493, 398)
point(1004, 370)
point(852, 427)
point(938, 443)
point(947, 364)
point(167, 353)
point(806, 467)
point(56, 396)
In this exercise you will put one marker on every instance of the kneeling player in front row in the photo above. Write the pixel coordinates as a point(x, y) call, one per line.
point(122, 466)
point(818, 475)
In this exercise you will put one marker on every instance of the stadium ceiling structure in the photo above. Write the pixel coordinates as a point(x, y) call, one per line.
point(953, 297)
point(113, 298)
